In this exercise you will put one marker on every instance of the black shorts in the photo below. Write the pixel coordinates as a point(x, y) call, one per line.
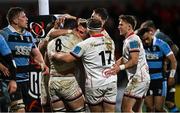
point(157, 87)
point(21, 94)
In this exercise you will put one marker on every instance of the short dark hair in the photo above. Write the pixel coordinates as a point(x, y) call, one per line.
point(129, 19)
point(102, 12)
point(70, 23)
point(148, 23)
point(13, 12)
point(94, 24)
point(142, 31)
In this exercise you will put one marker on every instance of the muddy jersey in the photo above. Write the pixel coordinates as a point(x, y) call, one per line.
point(62, 44)
point(97, 54)
point(134, 44)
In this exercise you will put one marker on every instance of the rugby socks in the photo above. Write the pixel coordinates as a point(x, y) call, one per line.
point(174, 109)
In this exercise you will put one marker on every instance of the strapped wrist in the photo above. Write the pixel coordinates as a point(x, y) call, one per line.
point(69, 31)
point(122, 67)
point(172, 73)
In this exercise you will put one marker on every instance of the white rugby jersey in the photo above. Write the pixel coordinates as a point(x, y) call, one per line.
point(64, 44)
point(134, 44)
point(104, 32)
point(97, 54)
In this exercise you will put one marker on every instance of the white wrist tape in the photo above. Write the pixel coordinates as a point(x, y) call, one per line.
point(69, 31)
point(172, 73)
point(122, 67)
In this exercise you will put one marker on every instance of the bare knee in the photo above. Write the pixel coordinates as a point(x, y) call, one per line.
point(126, 108)
point(58, 106)
point(150, 109)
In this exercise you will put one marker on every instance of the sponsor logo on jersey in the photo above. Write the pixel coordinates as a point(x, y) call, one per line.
point(22, 50)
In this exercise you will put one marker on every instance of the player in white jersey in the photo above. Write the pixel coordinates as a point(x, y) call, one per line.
point(98, 13)
point(63, 87)
point(97, 55)
point(102, 15)
point(134, 61)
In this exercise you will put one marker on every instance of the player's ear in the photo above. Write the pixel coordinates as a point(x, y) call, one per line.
point(15, 21)
point(129, 26)
point(151, 32)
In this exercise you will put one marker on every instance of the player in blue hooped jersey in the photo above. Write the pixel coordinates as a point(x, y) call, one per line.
point(22, 45)
point(156, 51)
point(171, 90)
point(7, 74)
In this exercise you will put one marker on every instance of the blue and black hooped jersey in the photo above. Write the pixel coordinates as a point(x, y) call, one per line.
point(155, 55)
point(21, 46)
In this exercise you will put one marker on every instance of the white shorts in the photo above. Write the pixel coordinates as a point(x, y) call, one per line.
point(106, 93)
point(64, 87)
point(136, 88)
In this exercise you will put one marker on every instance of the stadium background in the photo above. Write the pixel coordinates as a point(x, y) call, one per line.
point(165, 13)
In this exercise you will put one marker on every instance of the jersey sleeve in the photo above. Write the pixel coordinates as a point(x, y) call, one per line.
point(4, 48)
point(165, 48)
point(133, 46)
point(78, 50)
point(33, 41)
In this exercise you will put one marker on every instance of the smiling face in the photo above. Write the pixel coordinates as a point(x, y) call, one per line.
point(123, 27)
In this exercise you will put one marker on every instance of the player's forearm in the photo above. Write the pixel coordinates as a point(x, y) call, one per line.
point(173, 61)
point(66, 57)
point(131, 63)
point(119, 61)
point(58, 32)
point(38, 58)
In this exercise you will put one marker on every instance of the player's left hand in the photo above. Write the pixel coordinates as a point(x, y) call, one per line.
point(171, 81)
point(45, 70)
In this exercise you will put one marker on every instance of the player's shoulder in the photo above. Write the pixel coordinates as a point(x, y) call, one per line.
point(133, 37)
point(159, 41)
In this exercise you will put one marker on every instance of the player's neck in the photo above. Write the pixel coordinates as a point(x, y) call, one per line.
point(129, 33)
point(93, 33)
point(17, 28)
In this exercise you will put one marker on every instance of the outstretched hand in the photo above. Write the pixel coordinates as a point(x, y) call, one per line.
point(111, 71)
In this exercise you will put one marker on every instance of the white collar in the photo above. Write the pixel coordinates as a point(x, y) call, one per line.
point(157, 31)
point(154, 40)
point(14, 31)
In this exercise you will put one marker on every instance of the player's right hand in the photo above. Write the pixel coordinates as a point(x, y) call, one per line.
point(5, 70)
